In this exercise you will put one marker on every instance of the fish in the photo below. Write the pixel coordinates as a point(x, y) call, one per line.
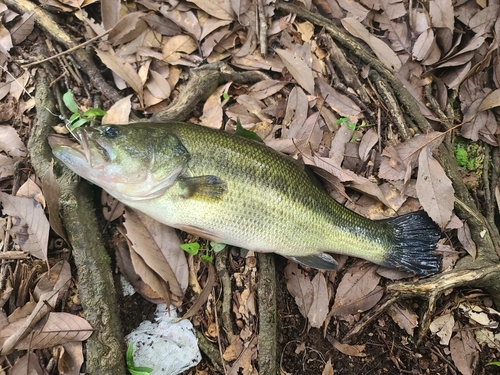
point(239, 192)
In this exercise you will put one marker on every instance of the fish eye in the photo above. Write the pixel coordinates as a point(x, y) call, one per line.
point(111, 132)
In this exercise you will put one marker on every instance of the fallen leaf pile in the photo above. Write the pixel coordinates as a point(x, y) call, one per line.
point(320, 105)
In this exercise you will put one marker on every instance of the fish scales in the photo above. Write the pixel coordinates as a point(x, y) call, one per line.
point(237, 191)
point(271, 204)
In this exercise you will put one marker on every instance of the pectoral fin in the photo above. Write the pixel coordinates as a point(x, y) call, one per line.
point(321, 261)
point(211, 187)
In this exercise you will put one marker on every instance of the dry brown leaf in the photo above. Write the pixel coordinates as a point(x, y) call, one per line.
point(29, 224)
point(124, 263)
point(340, 103)
point(426, 49)
point(443, 328)
point(404, 317)
point(464, 351)
point(298, 68)
point(112, 208)
point(351, 350)
point(300, 287)
point(110, 12)
point(384, 53)
point(5, 40)
point(370, 139)
point(185, 20)
point(319, 307)
point(70, 359)
point(434, 189)
point(151, 278)
point(256, 61)
point(295, 114)
point(490, 101)
point(358, 290)
point(23, 27)
point(212, 109)
point(264, 89)
point(124, 70)
point(11, 143)
point(465, 238)
point(27, 365)
point(58, 278)
point(354, 8)
point(128, 28)
point(12, 334)
point(175, 46)
point(154, 242)
point(119, 113)
point(161, 24)
point(328, 370)
point(205, 293)
point(6, 167)
point(338, 145)
point(217, 8)
point(58, 329)
point(442, 14)
point(158, 86)
point(31, 190)
point(52, 194)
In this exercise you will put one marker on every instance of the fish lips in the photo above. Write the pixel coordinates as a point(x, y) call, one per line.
point(82, 156)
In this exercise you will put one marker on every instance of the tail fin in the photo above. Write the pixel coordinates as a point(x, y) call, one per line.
point(415, 239)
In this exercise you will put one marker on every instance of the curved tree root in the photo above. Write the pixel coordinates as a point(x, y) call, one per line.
point(485, 271)
point(95, 283)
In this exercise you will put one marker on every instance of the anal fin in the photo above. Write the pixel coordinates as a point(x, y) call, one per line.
point(321, 261)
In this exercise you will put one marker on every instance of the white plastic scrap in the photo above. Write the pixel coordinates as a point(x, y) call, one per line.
point(168, 346)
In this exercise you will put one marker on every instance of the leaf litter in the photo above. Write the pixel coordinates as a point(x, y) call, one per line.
point(151, 48)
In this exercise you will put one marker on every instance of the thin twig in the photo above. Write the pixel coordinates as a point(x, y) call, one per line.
point(65, 52)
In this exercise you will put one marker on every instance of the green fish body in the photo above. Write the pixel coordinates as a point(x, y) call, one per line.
point(236, 191)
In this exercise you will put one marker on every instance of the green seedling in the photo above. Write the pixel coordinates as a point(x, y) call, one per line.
point(493, 364)
point(129, 357)
point(194, 248)
point(348, 124)
point(78, 119)
point(242, 132)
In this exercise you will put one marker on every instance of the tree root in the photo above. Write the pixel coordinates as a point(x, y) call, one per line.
point(485, 271)
point(202, 82)
point(82, 57)
point(95, 283)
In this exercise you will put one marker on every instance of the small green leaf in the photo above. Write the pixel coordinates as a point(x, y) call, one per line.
point(74, 117)
point(77, 124)
point(217, 247)
point(206, 258)
point(493, 364)
point(191, 248)
point(225, 95)
point(242, 132)
point(94, 112)
point(70, 102)
point(350, 126)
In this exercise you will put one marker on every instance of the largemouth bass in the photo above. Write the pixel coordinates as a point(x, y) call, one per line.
point(239, 192)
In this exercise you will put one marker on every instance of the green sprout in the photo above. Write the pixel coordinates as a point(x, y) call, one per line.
point(129, 357)
point(193, 248)
point(78, 119)
point(242, 132)
point(348, 124)
point(493, 364)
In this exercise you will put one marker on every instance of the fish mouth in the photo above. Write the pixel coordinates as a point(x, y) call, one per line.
point(85, 152)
